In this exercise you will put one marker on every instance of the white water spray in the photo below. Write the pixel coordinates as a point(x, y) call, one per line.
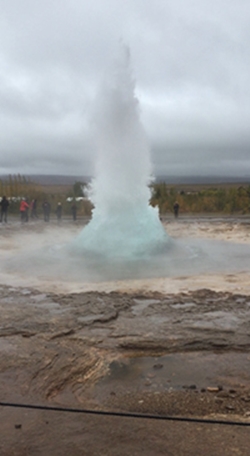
point(123, 224)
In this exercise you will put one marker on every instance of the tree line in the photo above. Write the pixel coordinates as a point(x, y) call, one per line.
point(15, 187)
point(229, 200)
point(226, 199)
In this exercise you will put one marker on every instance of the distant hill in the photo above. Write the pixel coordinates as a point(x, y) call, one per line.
point(58, 180)
point(47, 179)
point(199, 180)
point(195, 180)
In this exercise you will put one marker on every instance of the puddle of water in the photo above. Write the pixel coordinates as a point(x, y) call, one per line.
point(177, 371)
point(183, 306)
point(141, 304)
point(89, 318)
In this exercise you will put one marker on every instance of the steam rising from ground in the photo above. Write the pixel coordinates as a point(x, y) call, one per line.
point(36, 255)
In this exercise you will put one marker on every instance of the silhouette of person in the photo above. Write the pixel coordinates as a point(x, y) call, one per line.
point(24, 208)
point(59, 211)
point(33, 207)
point(74, 209)
point(4, 203)
point(176, 209)
point(46, 211)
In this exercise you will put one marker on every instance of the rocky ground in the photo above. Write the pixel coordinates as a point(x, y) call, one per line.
point(128, 348)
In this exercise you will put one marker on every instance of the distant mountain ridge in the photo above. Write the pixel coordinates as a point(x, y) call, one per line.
point(199, 180)
point(47, 179)
point(51, 179)
point(57, 179)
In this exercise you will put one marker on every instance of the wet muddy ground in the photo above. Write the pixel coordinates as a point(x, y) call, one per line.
point(182, 353)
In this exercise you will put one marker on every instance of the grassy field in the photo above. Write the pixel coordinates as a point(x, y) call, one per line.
point(225, 198)
point(196, 198)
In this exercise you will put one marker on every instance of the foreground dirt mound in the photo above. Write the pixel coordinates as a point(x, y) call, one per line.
point(58, 341)
point(138, 352)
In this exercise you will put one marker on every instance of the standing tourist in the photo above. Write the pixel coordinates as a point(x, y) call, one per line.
point(33, 207)
point(176, 209)
point(24, 210)
point(74, 209)
point(59, 212)
point(4, 203)
point(46, 211)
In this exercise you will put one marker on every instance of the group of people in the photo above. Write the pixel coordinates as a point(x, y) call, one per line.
point(24, 208)
point(27, 208)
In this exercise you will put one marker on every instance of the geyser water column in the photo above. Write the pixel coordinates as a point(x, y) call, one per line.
point(123, 223)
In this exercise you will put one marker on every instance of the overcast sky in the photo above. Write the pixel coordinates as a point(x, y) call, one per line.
point(190, 59)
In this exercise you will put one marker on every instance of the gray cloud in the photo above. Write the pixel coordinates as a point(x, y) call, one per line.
point(192, 70)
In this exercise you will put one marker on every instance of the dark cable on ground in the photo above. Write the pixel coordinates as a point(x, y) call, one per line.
point(125, 414)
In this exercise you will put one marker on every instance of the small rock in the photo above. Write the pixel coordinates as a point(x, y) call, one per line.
point(213, 389)
point(192, 387)
point(18, 426)
point(230, 407)
point(25, 292)
point(219, 400)
point(158, 366)
point(223, 394)
point(39, 297)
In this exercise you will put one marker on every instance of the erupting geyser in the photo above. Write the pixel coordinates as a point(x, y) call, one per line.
point(123, 224)
point(125, 239)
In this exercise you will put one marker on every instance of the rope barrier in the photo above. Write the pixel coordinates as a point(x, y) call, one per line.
point(125, 414)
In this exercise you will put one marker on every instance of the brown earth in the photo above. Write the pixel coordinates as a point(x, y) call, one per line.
point(183, 353)
point(84, 350)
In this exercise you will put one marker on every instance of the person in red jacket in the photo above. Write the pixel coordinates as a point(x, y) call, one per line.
point(24, 210)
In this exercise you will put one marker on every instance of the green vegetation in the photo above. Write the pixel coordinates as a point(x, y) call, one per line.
point(17, 187)
point(223, 199)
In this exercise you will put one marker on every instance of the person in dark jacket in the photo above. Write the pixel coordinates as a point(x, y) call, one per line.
point(4, 204)
point(176, 209)
point(74, 210)
point(59, 212)
point(46, 211)
point(33, 207)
